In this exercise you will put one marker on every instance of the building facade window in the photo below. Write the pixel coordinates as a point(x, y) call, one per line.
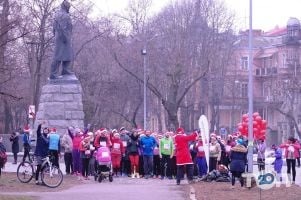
point(244, 90)
point(284, 60)
point(244, 62)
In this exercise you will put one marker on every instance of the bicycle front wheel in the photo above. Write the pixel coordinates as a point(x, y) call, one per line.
point(25, 172)
point(52, 176)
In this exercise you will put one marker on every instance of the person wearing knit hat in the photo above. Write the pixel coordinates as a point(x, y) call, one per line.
point(125, 162)
point(183, 154)
point(26, 143)
point(116, 152)
point(54, 146)
point(102, 139)
point(166, 152)
point(214, 154)
point(148, 143)
point(200, 158)
point(133, 151)
point(238, 157)
point(66, 143)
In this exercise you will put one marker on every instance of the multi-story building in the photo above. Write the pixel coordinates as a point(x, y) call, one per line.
point(276, 64)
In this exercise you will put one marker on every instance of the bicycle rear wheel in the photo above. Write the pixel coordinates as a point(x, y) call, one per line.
point(52, 176)
point(25, 172)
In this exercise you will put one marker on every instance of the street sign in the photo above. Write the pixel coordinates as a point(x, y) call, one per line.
point(31, 112)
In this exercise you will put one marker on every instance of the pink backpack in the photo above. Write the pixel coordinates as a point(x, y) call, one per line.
point(103, 154)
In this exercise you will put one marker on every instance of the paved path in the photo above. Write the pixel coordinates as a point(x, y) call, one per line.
point(120, 189)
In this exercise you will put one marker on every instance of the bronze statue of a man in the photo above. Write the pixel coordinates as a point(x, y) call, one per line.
point(62, 29)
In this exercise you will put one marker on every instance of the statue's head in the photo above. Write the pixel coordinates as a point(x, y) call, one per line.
point(66, 6)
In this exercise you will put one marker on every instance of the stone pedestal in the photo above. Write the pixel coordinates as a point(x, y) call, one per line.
point(61, 104)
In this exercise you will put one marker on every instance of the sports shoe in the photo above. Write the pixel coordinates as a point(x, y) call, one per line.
point(133, 175)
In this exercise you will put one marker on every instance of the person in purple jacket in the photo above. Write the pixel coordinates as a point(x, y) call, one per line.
point(278, 161)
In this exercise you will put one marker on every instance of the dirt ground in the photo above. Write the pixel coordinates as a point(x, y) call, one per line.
point(11, 197)
point(214, 190)
point(10, 183)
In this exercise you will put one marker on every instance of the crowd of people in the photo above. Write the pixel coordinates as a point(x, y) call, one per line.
point(147, 154)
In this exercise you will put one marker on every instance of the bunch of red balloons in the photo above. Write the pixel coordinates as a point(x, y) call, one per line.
point(259, 126)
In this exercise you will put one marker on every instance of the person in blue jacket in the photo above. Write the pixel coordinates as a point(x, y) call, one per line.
point(26, 143)
point(148, 143)
point(41, 150)
point(54, 146)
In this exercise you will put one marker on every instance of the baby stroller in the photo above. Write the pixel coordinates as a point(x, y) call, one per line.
point(103, 165)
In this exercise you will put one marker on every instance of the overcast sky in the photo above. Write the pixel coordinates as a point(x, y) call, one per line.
point(266, 13)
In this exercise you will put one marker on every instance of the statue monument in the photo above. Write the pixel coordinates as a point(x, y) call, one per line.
point(63, 54)
point(60, 104)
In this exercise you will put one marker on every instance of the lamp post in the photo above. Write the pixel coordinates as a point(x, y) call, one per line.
point(143, 52)
point(250, 95)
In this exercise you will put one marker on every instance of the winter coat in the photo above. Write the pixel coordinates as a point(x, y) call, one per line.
point(101, 139)
point(261, 150)
point(182, 149)
point(148, 143)
point(54, 142)
point(238, 157)
point(42, 144)
point(15, 143)
point(294, 148)
point(133, 145)
point(62, 28)
point(86, 149)
point(124, 138)
point(2, 151)
point(117, 146)
point(215, 150)
point(278, 160)
point(67, 143)
point(199, 147)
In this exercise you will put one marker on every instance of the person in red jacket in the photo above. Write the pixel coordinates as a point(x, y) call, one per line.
point(291, 153)
point(116, 152)
point(183, 154)
point(200, 157)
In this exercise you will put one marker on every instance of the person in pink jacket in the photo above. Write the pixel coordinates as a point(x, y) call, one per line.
point(183, 154)
point(291, 153)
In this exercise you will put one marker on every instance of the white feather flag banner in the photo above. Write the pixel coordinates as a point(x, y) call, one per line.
point(204, 128)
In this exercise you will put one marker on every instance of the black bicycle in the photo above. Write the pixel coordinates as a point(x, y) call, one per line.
point(51, 175)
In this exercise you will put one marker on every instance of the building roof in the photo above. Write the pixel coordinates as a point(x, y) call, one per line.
point(276, 32)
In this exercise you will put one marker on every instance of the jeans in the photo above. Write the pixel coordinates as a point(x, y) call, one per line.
point(212, 163)
point(85, 166)
point(166, 161)
point(291, 164)
point(202, 165)
point(148, 165)
point(68, 162)
point(157, 168)
point(55, 155)
point(26, 152)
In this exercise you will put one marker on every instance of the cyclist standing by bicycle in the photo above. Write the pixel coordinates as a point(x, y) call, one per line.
point(41, 151)
point(54, 146)
point(26, 143)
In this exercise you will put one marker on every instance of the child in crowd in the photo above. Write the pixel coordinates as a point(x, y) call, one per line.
point(278, 161)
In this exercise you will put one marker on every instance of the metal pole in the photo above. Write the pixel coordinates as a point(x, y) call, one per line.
point(144, 88)
point(250, 95)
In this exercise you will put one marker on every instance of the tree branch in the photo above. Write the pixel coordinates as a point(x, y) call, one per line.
point(10, 95)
